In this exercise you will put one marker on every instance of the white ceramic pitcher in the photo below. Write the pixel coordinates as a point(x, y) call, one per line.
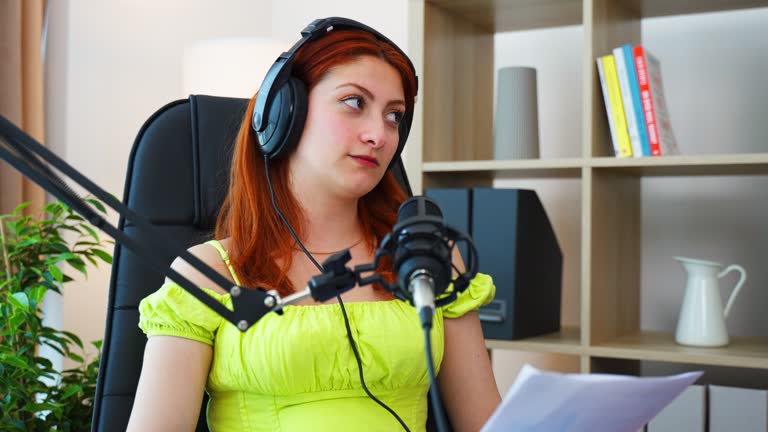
point(702, 317)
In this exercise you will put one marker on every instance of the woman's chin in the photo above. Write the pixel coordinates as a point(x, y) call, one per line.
point(357, 188)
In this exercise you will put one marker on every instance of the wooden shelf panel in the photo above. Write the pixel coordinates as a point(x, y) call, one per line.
point(688, 165)
point(512, 15)
point(566, 341)
point(657, 346)
point(696, 165)
point(655, 8)
point(522, 168)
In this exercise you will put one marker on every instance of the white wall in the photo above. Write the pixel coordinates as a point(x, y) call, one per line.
point(714, 67)
point(110, 64)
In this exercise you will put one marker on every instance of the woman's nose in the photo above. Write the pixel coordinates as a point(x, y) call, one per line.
point(374, 132)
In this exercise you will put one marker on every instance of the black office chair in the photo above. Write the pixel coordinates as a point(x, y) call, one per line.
point(177, 178)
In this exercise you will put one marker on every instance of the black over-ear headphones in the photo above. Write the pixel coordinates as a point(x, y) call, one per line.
point(281, 103)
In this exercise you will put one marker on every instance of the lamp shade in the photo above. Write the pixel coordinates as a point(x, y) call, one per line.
point(232, 67)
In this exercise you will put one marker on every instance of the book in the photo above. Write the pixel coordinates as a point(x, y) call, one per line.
point(659, 127)
point(551, 401)
point(617, 123)
point(626, 100)
point(637, 104)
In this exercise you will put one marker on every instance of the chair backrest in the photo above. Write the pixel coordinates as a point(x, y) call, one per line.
point(177, 178)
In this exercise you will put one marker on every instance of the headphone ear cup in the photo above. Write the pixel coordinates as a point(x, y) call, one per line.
point(285, 118)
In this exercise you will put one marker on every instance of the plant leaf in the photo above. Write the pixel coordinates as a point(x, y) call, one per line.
point(70, 390)
point(96, 203)
point(91, 232)
point(107, 258)
point(37, 293)
point(56, 272)
point(62, 257)
point(19, 300)
point(14, 361)
point(21, 207)
point(16, 320)
point(91, 260)
point(76, 357)
point(73, 337)
point(78, 265)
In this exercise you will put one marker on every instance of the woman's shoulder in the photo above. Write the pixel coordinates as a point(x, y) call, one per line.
point(208, 254)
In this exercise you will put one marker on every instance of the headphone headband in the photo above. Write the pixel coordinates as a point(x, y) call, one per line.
point(267, 121)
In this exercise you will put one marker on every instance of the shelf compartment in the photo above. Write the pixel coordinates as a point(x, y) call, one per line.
point(566, 341)
point(528, 168)
point(655, 8)
point(513, 15)
point(687, 165)
point(660, 346)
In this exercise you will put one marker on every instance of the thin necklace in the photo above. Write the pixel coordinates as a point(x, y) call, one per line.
point(329, 253)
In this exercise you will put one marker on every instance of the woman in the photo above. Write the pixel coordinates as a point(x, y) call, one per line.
point(298, 371)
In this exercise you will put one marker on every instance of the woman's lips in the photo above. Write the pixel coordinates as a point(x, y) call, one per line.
point(368, 161)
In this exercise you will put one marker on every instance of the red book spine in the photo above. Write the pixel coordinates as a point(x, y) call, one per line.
point(646, 99)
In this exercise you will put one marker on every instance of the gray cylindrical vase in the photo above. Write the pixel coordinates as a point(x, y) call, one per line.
point(516, 126)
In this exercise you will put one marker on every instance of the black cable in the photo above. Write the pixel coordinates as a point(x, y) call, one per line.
point(360, 368)
point(434, 393)
point(285, 221)
point(341, 303)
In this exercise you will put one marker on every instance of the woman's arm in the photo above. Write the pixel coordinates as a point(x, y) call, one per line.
point(175, 369)
point(171, 385)
point(467, 386)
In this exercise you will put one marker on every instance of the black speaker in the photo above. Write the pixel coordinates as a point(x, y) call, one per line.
point(517, 246)
point(455, 205)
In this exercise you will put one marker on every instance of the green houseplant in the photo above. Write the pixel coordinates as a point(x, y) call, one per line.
point(37, 254)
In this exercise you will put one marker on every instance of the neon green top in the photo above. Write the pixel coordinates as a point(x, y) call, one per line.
point(297, 372)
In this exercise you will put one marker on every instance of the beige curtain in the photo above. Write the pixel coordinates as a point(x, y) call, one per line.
point(21, 91)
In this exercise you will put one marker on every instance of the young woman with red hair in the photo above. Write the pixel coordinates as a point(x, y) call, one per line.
point(298, 371)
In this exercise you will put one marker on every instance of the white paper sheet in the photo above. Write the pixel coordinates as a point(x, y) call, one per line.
point(548, 401)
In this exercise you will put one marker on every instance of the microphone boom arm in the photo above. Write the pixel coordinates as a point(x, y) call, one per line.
point(27, 156)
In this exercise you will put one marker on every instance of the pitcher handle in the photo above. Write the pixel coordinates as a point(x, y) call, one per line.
point(736, 289)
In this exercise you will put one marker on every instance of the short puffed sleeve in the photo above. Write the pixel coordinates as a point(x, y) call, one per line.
point(480, 292)
point(172, 311)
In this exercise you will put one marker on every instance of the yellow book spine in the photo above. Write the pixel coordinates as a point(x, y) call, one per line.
point(617, 107)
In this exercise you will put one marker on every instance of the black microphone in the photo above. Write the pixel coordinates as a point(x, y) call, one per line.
point(421, 246)
point(422, 254)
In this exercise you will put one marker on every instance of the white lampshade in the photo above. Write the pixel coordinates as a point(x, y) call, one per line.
point(232, 67)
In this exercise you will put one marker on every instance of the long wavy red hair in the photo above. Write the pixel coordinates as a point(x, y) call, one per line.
point(258, 238)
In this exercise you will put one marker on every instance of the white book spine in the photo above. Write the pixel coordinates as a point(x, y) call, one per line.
point(629, 107)
point(667, 141)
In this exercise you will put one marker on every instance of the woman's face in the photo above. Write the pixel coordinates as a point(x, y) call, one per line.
point(351, 132)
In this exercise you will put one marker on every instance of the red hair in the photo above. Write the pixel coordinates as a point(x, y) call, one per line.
point(259, 238)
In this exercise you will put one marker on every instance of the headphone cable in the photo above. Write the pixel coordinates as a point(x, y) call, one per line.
point(338, 297)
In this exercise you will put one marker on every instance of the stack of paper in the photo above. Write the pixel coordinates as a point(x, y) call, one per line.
point(548, 401)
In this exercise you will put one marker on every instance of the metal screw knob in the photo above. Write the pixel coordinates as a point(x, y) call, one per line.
point(242, 325)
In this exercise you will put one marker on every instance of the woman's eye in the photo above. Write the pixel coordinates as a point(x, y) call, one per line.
point(355, 102)
point(395, 117)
